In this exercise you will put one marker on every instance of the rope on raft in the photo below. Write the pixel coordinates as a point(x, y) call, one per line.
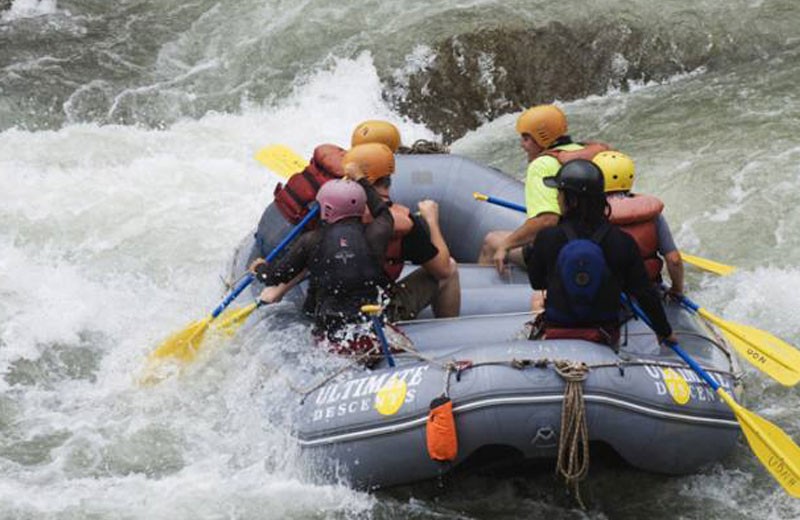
point(573, 442)
point(423, 146)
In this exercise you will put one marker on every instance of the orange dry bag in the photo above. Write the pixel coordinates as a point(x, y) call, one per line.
point(441, 430)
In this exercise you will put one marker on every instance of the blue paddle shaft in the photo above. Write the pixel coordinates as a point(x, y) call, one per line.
point(506, 204)
point(378, 326)
point(674, 346)
point(313, 212)
point(248, 279)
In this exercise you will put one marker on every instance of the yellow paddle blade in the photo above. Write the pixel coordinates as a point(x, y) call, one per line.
point(183, 345)
point(230, 321)
point(776, 450)
point(281, 160)
point(708, 265)
point(770, 354)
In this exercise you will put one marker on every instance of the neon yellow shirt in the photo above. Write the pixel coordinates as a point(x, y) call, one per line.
point(538, 197)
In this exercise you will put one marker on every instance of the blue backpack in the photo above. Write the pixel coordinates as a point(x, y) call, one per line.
point(583, 290)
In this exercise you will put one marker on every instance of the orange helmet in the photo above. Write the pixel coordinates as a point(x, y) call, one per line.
point(375, 131)
point(376, 160)
point(544, 123)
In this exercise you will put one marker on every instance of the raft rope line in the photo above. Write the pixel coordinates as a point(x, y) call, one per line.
point(573, 442)
point(461, 366)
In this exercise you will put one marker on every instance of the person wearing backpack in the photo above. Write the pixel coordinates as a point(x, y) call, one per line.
point(585, 264)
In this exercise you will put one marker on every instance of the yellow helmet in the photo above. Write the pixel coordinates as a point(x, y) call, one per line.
point(376, 160)
point(618, 170)
point(375, 131)
point(544, 123)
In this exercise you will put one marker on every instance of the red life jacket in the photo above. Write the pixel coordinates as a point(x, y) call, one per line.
point(301, 189)
point(393, 262)
point(589, 150)
point(637, 215)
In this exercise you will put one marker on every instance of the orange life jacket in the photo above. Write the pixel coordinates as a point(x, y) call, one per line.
point(637, 215)
point(301, 189)
point(393, 262)
point(589, 150)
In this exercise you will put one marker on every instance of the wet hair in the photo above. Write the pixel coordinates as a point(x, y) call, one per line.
point(588, 209)
point(383, 182)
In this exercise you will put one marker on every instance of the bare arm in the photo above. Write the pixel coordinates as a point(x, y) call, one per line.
point(275, 293)
point(524, 234)
point(527, 232)
point(675, 270)
point(439, 266)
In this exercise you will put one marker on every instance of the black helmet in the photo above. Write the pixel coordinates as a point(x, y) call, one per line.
point(578, 176)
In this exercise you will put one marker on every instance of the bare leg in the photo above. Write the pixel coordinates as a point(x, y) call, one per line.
point(447, 302)
point(537, 301)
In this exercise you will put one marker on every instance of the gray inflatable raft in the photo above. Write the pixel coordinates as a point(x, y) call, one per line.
point(644, 402)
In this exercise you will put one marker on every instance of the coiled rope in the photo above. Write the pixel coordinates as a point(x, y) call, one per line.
point(573, 443)
point(422, 146)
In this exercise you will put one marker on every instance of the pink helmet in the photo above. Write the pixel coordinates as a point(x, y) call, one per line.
point(341, 198)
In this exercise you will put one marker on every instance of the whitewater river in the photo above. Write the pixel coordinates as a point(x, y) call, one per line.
point(127, 134)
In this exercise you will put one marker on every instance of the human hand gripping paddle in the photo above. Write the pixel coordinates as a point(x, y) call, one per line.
point(777, 451)
point(702, 263)
point(770, 354)
point(185, 344)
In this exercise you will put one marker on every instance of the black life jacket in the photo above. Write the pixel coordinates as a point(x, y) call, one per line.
point(344, 270)
point(582, 291)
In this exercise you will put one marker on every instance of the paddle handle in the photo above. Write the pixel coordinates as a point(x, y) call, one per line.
point(248, 279)
point(374, 311)
point(674, 346)
point(499, 202)
point(378, 326)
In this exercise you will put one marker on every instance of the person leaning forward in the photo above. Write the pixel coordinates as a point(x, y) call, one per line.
point(585, 263)
point(418, 239)
point(344, 258)
point(543, 137)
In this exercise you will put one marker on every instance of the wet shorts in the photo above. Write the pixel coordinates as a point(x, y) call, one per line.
point(411, 294)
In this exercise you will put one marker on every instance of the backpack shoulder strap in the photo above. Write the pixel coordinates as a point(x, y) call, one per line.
point(569, 231)
point(600, 233)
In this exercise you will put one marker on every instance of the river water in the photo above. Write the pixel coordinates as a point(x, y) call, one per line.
point(127, 134)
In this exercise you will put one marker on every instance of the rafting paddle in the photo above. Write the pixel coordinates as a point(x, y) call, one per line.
point(185, 344)
point(374, 312)
point(708, 265)
point(775, 357)
point(703, 263)
point(776, 450)
point(281, 159)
